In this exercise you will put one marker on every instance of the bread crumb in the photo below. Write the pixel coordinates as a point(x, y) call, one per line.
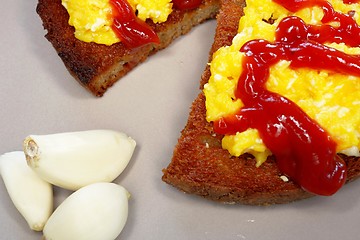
point(284, 178)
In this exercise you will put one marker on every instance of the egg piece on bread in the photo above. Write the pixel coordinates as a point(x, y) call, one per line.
point(92, 19)
point(331, 99)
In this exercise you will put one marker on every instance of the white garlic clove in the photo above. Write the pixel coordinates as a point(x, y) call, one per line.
point(32, 196)
point(75, 159)
point(97, 211)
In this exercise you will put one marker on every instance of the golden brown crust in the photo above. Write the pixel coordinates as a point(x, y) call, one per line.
point(97, 66)
point(199, 164)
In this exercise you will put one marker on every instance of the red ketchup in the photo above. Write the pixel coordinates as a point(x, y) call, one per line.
point(132, 31)
point(304, 151)
point(186, 4)
point(350, 1)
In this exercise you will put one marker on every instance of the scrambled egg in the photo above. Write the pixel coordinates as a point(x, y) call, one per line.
point(331, 99)
point(92, 18)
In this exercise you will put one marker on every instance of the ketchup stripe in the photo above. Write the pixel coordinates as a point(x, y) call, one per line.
point(304, 151)
point(132, 31)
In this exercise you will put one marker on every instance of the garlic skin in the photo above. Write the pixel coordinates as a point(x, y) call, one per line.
point(75, 159)
point(32, 196)
point(97, 211)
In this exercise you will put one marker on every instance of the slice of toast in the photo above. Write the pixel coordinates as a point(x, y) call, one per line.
point(200, 166)
point(97, 67)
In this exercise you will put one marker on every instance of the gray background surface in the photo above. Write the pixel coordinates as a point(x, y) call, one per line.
point(151, 104)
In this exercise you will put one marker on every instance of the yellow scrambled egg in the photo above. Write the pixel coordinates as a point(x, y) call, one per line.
point(92, 18)
point(331, 99)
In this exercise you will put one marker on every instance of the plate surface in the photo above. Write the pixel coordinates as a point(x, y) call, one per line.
point(151, 104)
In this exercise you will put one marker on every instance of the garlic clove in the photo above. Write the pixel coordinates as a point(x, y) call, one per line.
point(75, 159)
point(97, 211)
point(32, 196)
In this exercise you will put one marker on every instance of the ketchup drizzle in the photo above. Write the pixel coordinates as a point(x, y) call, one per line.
point(132, 31)
point(346, 32)
point(186, 4)
point(304, 151)
point(350, 1)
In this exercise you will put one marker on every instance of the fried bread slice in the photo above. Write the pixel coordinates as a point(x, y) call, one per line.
point(97, 67)
point(200, 166)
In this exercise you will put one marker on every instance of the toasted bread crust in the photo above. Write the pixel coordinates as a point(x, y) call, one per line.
point(200, 166)
point(97, 66)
